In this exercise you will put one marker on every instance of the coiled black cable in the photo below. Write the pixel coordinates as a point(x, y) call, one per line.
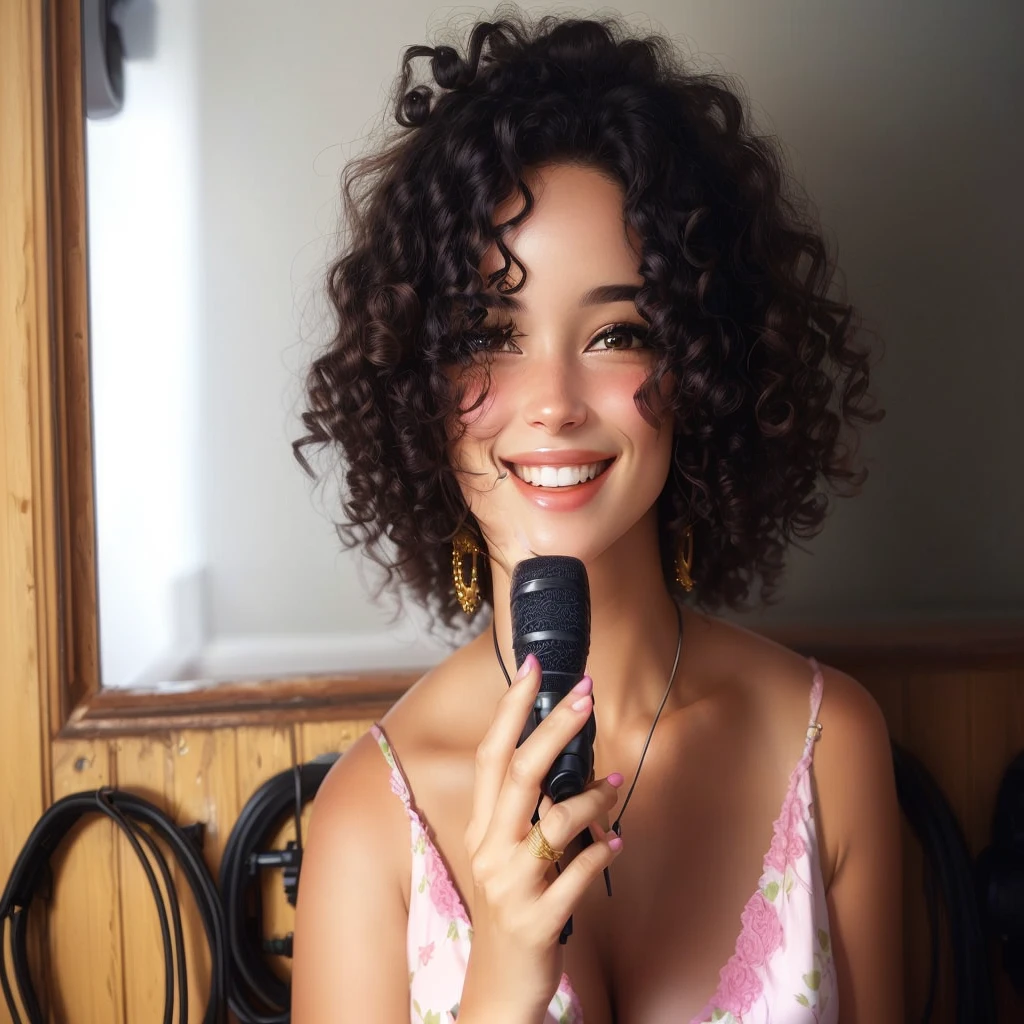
point(256, 994)
point(949, 876)
point(127, 811)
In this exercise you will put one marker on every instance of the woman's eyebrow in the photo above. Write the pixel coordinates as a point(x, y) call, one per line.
point(598, 296)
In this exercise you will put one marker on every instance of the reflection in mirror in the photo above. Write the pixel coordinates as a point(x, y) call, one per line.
point(213, 212)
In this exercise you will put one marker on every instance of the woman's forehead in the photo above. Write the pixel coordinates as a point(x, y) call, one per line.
point(575, 234)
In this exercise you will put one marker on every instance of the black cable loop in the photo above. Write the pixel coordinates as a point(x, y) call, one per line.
point(257, 995)
point(105, 807)
point(129, 813)
point(949, 874)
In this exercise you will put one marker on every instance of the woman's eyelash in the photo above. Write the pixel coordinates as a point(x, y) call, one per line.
point(629, 330)
point(488, 339)
point(491, 339)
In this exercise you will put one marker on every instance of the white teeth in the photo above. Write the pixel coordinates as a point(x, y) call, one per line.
point(559, 476)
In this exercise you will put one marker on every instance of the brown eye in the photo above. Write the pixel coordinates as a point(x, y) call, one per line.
point(492, 339)
point(619, 338)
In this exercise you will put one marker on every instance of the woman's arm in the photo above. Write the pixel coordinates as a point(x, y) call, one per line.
point(350, 922)
point(859, 828)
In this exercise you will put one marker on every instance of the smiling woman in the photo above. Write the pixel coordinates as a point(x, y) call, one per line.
point(400, 919)
point(580, 314)
point(559, 429)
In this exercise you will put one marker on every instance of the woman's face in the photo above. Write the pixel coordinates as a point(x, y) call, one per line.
point(558, 459)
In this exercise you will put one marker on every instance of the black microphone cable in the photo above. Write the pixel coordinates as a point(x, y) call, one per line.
point(128, 812)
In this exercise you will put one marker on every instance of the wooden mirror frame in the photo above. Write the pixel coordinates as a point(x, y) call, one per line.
point(44, 334)
point(50, 335)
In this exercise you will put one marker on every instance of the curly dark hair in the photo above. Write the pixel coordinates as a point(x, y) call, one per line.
point(736, 292)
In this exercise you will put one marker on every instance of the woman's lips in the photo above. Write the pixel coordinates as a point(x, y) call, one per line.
point(561, 499)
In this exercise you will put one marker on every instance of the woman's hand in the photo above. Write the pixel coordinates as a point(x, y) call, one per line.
point(519, 905)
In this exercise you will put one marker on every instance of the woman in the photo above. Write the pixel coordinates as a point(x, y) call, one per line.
point(578, 315)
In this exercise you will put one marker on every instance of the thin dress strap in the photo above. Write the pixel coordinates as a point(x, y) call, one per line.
point(814, 726)
point(399, 783)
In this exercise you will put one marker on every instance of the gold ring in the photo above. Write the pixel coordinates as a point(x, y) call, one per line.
point(540, 847)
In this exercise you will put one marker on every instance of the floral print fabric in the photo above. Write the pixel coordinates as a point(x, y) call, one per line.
point(439, 936)
point(782, 969)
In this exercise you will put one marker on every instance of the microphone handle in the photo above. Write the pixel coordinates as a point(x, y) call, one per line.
point(573, 768)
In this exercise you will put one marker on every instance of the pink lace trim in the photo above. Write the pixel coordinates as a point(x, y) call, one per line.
point(740, 983)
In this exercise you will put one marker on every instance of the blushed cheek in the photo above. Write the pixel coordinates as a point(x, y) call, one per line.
point(475, 402)
point(619, 398)
point(480, 420)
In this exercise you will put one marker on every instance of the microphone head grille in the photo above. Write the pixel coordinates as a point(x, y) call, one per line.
point(551, 595)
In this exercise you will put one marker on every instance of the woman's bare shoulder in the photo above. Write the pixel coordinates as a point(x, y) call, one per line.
point(773, 673)
point(448, 708)
point(769, 677)
point(853, 755)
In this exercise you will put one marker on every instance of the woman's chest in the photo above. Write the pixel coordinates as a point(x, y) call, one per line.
point(656, 949)
point(692, 861)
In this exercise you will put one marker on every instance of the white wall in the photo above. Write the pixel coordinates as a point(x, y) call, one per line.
point(143, 184)
point(900, 120)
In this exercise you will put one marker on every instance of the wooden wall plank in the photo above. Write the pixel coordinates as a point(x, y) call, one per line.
point(316, 738)
point(83, 937)
point(261, 754)
point(202, 788)
point(29, 653)
point(144, 766)
point(938, 731)
point(888, 686)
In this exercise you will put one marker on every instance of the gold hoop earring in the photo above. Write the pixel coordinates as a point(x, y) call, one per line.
point(468, 594)
point(684, 560)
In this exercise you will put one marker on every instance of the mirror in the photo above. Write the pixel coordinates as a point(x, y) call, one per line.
point(213, 212)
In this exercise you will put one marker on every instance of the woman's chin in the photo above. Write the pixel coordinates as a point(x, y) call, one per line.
point(572, 547)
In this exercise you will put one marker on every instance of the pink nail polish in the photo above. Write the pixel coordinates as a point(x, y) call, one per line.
point(616, 779)
point(528, 662)
point(615, 844)
point(585, 685)
point(583, 702)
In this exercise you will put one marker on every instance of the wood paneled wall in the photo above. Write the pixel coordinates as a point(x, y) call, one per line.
point(105, 953)
point(104, 948)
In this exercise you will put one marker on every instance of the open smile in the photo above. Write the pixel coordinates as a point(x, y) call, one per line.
point(562, 481)
point(556, 477)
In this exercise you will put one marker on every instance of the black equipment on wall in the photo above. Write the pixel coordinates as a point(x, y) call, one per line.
point(949, 878)
point(256, 994)
point(113, 31)
point(1000, 873)
point(129, 812)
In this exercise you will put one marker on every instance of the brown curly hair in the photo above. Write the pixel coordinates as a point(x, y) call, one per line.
point(736, 292)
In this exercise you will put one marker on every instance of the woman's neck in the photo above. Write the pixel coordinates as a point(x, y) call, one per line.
point(633, 627)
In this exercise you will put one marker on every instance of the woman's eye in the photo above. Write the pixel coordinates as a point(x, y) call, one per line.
point(492, 339)
point(620, 338)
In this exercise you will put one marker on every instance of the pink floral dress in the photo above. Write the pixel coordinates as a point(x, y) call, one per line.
point(781, 972)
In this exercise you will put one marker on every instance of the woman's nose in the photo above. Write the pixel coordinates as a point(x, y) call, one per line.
point(554, 398)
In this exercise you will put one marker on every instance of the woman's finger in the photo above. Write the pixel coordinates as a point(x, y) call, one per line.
point(498, 745)
point(564, 821)
point(559, 899)
point(530, 763)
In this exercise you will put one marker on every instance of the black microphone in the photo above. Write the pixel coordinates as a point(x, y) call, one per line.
point(550, 603)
